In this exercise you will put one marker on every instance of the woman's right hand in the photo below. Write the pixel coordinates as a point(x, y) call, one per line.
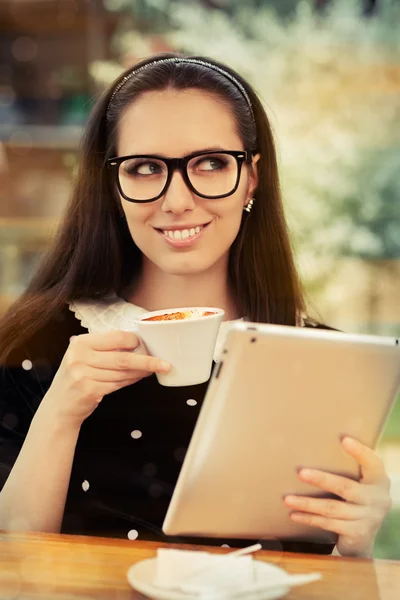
point(94, 365)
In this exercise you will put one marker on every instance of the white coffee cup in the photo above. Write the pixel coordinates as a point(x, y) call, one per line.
point(187, 344)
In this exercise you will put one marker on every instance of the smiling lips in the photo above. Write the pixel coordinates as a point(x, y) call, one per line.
point(181, 234)
point(184, 236)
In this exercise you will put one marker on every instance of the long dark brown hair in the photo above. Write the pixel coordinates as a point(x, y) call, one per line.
point(93, 254)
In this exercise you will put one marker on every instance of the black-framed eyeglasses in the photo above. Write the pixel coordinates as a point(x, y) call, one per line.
point(211, 174)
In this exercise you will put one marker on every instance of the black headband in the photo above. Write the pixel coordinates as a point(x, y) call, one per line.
point(194, 61)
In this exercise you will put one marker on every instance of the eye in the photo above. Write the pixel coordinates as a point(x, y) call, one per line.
point(148, 168)
point(142, 168)
point(210, 163)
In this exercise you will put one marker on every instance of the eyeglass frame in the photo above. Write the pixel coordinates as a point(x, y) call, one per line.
point(180, 164)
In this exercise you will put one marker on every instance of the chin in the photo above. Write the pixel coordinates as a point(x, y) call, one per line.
point(185, 268)
point(185, 271)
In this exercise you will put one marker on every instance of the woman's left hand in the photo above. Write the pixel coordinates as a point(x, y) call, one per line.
point(367, 502)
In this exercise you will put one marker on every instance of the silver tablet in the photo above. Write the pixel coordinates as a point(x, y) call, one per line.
point(279, 399)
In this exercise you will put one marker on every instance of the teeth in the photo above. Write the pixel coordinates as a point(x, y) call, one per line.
point(183, 234)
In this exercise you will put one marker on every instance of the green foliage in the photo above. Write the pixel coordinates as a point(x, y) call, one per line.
point(374, 210)
point(283, 8)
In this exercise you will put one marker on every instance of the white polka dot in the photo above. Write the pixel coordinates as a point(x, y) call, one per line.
point(136, 434)
point(133, 534)
point(27, 365)
point(191, 402)
point(85, 485)
point(225, 546)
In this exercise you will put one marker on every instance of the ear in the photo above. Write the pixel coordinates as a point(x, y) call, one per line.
point(253, 178)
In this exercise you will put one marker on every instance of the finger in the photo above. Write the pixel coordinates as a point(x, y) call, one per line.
point(326, 507)
point(372, 468)
point(109, 340)
point(338, 526)
point(113, 376)
point(344, 487)
point(126, 361)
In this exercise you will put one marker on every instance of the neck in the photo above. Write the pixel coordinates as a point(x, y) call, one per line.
point(157, 290)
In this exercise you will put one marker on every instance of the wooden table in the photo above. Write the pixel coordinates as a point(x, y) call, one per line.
point(37, 566)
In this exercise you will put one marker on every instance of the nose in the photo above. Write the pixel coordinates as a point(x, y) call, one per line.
point(177, 197)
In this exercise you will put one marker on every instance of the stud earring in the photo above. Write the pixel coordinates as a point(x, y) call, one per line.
point(249, 205)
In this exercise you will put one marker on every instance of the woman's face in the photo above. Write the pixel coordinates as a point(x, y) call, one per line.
point(174, 124)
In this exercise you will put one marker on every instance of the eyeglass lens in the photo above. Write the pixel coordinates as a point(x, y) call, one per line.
point(210, 175)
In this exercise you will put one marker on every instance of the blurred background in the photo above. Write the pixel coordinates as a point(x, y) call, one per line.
point(328, 72)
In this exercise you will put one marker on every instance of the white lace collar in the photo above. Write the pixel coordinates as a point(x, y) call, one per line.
point(116, 313)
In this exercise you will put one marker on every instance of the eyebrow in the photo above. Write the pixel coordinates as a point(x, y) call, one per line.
point(197, 151)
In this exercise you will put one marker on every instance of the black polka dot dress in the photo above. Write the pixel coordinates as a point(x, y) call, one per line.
point(130, 450)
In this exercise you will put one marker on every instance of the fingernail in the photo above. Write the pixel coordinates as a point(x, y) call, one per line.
point(348, 441)
point(306, 473)
point(290, 499)
point(164, 366)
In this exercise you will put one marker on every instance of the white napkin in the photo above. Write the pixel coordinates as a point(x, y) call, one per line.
point(196, 572)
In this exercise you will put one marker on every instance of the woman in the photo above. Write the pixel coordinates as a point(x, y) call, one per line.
point(176, 203)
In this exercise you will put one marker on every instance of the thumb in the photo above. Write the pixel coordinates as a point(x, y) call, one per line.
point(372, 469)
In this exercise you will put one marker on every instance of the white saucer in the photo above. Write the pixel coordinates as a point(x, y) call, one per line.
point(141, 577)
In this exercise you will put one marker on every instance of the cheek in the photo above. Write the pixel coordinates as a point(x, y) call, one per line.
point(136, 217)
point(228, 222)
point(230, 211)
point(233, 225)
